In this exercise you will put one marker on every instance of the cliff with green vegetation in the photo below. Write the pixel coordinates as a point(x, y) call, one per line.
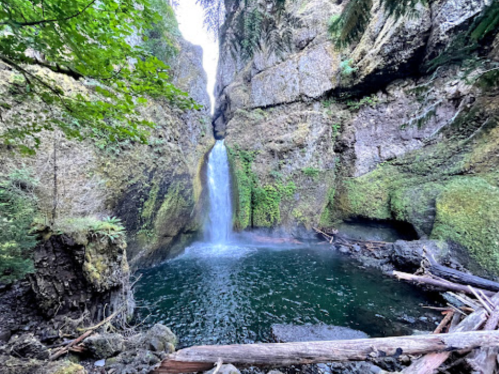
point(59, 171)
point(377, 110)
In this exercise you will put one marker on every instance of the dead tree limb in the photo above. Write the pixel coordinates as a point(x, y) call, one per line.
point(484, 360)
point(90, 330)
point(436, 282)
point(201, 358)
point(433, 267)
point(429, 363)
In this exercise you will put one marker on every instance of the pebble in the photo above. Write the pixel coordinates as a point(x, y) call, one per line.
point(100, 363)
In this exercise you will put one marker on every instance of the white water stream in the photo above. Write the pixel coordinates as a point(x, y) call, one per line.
point(219, 225)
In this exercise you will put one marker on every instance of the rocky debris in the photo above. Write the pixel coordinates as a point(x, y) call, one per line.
point(14, 365)
point(104, 345)
point(26, 346)
point(225, 369)
point(140, 352)
point(308, 333)
point(136, 361)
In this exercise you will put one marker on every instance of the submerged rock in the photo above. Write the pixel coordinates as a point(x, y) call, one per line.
point(293, 333)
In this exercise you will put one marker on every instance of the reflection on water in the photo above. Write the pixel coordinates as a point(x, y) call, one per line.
point(216, 294)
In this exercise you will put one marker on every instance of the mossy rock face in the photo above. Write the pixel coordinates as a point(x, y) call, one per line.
point(448, 190)
point(367, 196)
point(416, 204)
point(467, 214)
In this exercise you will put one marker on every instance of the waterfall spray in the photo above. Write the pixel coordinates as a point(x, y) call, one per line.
point(219, 225)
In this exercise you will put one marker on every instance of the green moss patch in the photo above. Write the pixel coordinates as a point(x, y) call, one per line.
point(467, 213)
point(256, 205)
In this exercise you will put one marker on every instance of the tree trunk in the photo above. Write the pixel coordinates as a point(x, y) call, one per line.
point(438, 283)
point(431, 265)
point(284, 354)
point(54, 202)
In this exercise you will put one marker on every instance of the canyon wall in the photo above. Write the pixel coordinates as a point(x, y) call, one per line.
point(154, 189)
point(395, 126)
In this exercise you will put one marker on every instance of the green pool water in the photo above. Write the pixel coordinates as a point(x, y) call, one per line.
point(234, 294)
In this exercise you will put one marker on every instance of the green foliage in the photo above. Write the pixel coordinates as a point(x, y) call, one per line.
point(335, 127)
point(86, 40)
point(463, 47)
point(327, 103)
point(372, 101)
point(421, 120)
point(346, 68)
point(17, 210)
point(489, 79)
point(257, 29)
point(327, 216)
point(311, 172)
point(109, 228)
point(256, 26)
point(351, 24)
point(467, 214)
point(257, 205)
point(159, 41)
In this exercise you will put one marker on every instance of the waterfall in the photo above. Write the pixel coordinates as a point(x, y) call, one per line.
point(219, 225)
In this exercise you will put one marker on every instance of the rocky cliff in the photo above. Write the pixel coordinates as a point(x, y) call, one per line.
point(396, 126)
point(154, 189)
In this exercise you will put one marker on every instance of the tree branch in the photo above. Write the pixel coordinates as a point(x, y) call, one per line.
point(41, 22)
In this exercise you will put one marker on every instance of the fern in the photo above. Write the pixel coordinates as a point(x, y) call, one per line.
point(351, 24)
point(463, 46)
point(253, 26)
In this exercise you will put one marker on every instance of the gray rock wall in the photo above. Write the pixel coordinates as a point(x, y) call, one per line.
point(308, 121)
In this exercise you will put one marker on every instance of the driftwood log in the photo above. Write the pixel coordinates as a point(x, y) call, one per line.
point(201, 358)
point(433, 267)
point(429, 363)
point(437, 282)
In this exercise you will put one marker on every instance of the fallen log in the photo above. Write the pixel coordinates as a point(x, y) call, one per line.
point(429, 363)
point(484, 360)
point(201, 358)
point(433, 267)
point(436, 282)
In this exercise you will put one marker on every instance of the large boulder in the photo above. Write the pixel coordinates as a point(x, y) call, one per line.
point(105, 345)
point(159, 338)
point(82, 272)
point(407, 255)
